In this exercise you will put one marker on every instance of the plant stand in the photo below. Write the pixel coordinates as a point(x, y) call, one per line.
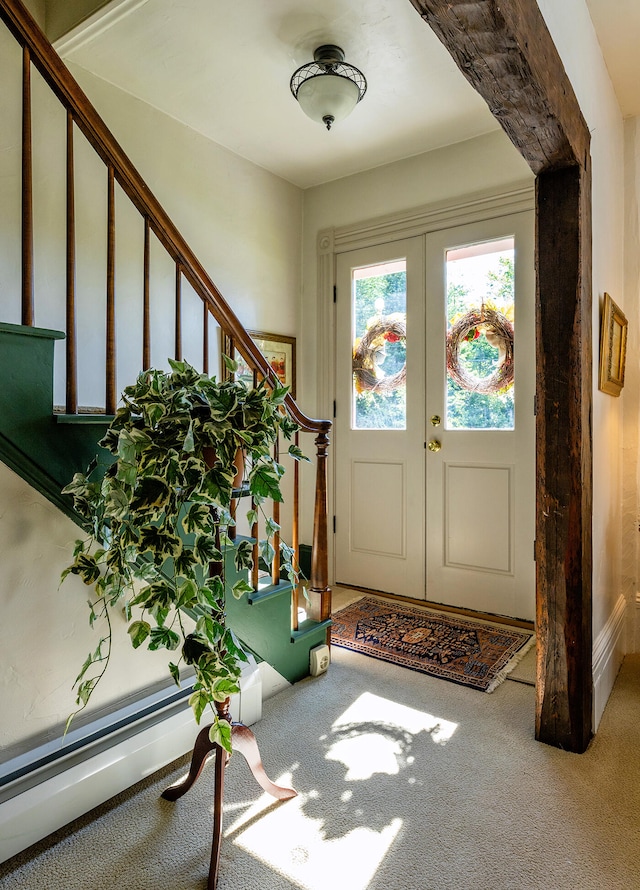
point(244, 742)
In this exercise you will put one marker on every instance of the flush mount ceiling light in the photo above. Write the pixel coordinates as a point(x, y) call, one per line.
point(328, 89)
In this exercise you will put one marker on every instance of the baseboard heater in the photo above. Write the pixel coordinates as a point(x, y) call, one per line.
point(45, 788)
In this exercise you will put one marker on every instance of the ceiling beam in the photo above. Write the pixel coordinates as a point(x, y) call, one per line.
point(506, 53)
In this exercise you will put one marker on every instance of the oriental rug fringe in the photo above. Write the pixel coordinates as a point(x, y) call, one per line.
point(471, 652)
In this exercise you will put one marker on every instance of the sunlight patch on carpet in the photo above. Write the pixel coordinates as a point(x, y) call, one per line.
point(369, 735)
point(374, 738)
point(294, 844)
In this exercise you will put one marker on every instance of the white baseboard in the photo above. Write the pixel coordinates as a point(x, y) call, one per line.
point(608, 652)
point(35, 813)
point(83, 780)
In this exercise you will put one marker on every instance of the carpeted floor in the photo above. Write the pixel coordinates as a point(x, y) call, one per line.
point(405, 783)
point(474, 653)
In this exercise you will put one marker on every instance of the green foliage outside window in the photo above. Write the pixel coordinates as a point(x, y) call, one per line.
point(473, 410)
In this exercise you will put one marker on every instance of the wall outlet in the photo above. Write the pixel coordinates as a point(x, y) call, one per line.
point(319, 660)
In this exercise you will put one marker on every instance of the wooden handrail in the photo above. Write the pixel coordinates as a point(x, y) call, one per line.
point(89, 122)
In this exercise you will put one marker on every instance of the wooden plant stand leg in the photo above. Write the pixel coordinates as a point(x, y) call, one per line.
point(243, 741)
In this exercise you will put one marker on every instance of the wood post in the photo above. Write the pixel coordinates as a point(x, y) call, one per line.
point(71, 349)
point(111, 397)
point(564, 687)
point(27, 193)
point(319, 590)
point(178, 319)
point(146, 302)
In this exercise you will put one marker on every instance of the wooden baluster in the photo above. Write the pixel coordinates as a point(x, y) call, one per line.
point(27, 194)
point(319, 590)
point(178, 343)
point(71, 350)
point(146, 303)
point(275, 564)
point(205, 339)
point(256, 549)
point(110, 399)
point(295, 539)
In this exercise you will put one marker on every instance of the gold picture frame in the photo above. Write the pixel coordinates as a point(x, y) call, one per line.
point(279, 351)
point(613, 347)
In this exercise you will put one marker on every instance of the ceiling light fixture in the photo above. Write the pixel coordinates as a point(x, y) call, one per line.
point(328, 89)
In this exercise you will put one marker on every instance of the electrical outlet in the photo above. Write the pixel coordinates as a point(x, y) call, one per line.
point(319, 660)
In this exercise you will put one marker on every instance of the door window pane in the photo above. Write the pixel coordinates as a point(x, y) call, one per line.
point(479, 349)
point(379, 319)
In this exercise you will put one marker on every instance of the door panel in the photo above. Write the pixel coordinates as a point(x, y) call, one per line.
point(478, 530)
point(379, 542)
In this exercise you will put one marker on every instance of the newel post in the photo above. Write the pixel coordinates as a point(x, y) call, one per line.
point(319, 590)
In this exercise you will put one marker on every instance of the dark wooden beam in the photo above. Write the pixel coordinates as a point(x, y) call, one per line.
point(564, 687)
point(505, 51)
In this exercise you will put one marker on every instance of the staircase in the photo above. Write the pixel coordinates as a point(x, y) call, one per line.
point(46, 445)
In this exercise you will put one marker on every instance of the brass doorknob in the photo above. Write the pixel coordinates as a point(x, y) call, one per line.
point(434, 445)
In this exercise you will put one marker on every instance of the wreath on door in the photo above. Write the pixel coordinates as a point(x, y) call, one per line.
point(369, 353)
point(498, 330)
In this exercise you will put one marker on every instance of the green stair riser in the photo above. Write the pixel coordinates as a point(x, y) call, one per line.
point(264, 625)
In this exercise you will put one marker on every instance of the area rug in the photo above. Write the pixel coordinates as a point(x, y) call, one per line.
point(473, 653)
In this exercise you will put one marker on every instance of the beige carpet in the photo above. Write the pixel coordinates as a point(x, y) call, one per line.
point(406, 783)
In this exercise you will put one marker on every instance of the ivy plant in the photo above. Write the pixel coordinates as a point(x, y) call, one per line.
point(158, 522)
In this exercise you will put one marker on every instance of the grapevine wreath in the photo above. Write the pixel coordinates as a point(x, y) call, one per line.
point(389, 329)
point(499, 332)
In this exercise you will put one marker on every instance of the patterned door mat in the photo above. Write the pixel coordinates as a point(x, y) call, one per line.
point(470, 652)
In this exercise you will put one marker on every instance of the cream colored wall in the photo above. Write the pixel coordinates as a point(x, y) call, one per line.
point(44, 632)
point(242, 222)
point(63, 16)
point(631, 398)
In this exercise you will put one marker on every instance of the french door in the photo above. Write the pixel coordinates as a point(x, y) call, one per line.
point(434, 430)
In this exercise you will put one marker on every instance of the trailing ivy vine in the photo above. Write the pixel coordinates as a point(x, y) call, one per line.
point(158, 522)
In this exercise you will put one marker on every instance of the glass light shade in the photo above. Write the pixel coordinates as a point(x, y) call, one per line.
point(328, 97)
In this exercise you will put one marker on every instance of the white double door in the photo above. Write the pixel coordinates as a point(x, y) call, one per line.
point(431, 501)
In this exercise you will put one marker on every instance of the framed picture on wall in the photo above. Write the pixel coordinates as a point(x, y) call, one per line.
point(613, 347)
point(279, 351)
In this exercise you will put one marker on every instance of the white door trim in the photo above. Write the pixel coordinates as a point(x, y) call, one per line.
point(518, 198)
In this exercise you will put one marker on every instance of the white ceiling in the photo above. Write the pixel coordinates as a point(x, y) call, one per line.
point(223, 68)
